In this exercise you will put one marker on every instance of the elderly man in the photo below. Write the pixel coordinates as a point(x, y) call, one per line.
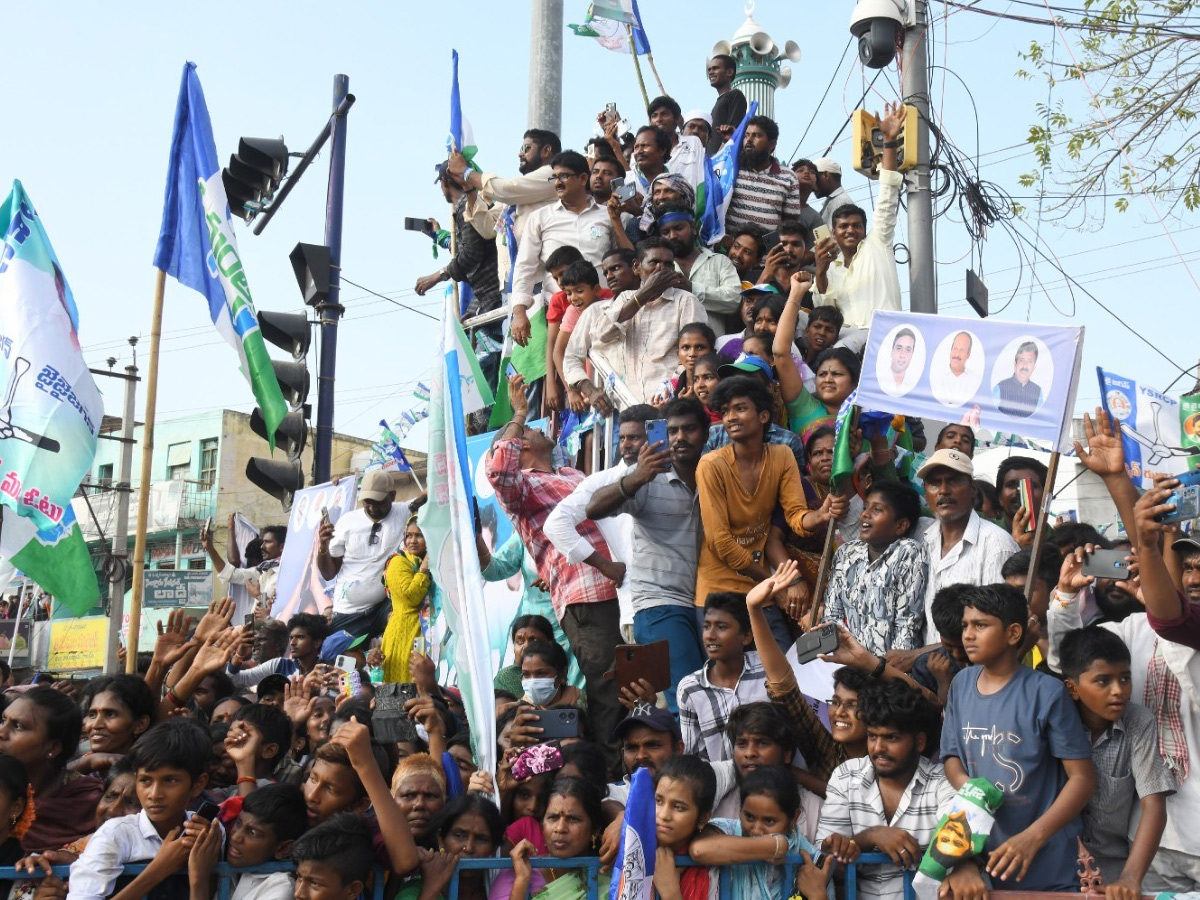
point(636, 332)
point(698, 123)
point(355, 553)
point(714, 279)
point(954, 385)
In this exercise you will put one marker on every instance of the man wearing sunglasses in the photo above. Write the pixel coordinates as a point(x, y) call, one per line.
point(355, 552)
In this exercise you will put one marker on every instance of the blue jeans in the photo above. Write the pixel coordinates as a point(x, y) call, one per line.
point(677, 626)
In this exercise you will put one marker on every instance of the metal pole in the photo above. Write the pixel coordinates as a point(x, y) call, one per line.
point(331, 310)
point(120, 541)
point(545, 65)
point(922, 277)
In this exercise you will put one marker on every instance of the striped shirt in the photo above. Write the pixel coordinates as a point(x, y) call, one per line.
point(704, 707)
point(764, 198)
point(853, 804)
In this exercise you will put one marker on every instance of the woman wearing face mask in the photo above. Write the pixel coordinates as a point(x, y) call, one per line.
point(544, 677)
point(411, 590)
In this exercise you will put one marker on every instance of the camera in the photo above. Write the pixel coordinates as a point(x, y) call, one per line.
point(876, 24)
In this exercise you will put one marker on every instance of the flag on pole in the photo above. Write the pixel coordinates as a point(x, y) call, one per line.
point(633, 875)
point(616, 25)
point(421, 391)
point(461, 137)
point(56, 557)
point(843, 454)
point(720, 175)
point(51, 410)
point(476, 392)
point(196, 245)
point(448, 523)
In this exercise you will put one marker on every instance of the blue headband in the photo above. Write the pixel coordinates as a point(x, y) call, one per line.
point(668, 217)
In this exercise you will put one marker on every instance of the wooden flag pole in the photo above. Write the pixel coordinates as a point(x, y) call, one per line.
point(815, 610)
point(650, 59)
point(1035, 552)
point(637, 66)
point(143, 510)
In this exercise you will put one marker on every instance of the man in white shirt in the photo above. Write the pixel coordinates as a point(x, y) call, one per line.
point(900, 376)
point(355, 552)
point(637, 331)
point(574, 220)
point(262, 577)
point(955, 385)
point(962, 547)
point(864, 279)
point(828, 185)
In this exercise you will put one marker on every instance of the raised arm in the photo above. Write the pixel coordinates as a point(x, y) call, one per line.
point(791, 382)
point(1105, 456)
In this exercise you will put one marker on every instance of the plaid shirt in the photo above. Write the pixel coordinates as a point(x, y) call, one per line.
point(822, 754)
point(704, 708)
point(853, 804)
point(527, 497)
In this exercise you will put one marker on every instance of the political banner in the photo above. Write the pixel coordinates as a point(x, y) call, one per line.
point(1150, 429)
point(1003, 376)
point(78, 643)
point(51, 408)
point(178, 588)
point(300, 587)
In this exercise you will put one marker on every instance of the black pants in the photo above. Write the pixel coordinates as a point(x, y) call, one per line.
point(594, 630)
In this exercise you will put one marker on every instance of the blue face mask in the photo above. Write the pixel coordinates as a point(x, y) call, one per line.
point(540, 691)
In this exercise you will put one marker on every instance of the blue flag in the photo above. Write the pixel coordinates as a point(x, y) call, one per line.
point(461, 137)
point(196, 245)
point(633, 874)
point(720, 174)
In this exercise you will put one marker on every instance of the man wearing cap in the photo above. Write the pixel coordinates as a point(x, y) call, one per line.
point(355, 552)
point(649, 736)
point(962, 547)
point(828, 185)
point(864, 278)
point(698, 123)
point(715, 281)
point(765, 193)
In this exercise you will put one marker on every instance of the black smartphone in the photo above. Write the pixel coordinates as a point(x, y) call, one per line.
point(207, 811)
point(249, 619)
point(421, 225)
point(557, 723)
point(1107, 564)
point(813, 643)
point(770, 239)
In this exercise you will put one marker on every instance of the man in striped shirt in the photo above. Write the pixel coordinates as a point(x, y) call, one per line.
point(765, 192)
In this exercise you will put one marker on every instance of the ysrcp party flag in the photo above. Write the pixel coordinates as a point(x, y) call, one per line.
point(461, 138)
point(1150, 429)
point(196, 245)
point(55, 557)
point(720, 175)
point(50, 408)
point(616, 25)
point(633, 874)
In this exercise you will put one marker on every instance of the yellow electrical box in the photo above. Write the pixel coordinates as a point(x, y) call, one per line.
point(868, 142)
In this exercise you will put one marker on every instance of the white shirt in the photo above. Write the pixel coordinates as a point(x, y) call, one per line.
point(871, 281)
point(266, 579)
point(976, 559)
point(561, 527)
point(359, 584)
point(526, 193)
point(954, 390)
point(126, 839)
point(715, 283)
point(264, 886)
point(555, 226)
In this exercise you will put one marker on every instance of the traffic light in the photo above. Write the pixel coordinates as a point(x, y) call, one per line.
point(291, 332)
point(311, 264)
point(253, 174)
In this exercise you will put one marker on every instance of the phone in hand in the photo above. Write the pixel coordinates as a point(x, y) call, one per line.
point(770, 240)
point(345, 663)
point(1025, 491)
point(1186, 498)
point(557, 723)
point(813, 643)
point(511, 371)
point(208, 811)
point(324, 514)
point(820, 233)
point(1106, 564)
point(656, 433)
point(414, 224)
point(624, 192)
point(610, 112)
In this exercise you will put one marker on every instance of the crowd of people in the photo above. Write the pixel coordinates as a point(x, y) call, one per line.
point(964, 650)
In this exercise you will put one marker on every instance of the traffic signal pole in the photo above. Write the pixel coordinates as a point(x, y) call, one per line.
point(922, 273)
point(330, 310)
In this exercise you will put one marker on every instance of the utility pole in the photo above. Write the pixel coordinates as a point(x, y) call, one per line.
point(922, 274)
point(545, 65)
point(330, 310)
point(120, 538)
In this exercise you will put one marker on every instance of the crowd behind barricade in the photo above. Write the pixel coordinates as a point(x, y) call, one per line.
point(330, 740)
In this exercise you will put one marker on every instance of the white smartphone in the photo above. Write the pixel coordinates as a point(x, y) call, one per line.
point(820, 233)
point(345, 663)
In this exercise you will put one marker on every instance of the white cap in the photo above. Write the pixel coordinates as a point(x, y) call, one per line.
point(698, 114)
point(828, 164)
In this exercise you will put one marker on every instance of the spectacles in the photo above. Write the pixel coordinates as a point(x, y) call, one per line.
point(561, 177)
point(375, 529)
point(848, 705)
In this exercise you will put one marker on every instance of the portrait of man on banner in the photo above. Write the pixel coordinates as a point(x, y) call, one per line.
point(957, 368)
point(1022, 376)
point(900, 368)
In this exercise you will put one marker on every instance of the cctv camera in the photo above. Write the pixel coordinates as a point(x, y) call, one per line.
point(876, 23)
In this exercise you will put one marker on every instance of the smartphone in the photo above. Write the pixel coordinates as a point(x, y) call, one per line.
point(820, 233)
point(1025, 490)
point(324, 514)
point(656, 432)
point(389, 720)
point(207, 811)
point(557, 723)
point(345, 663)
point(770, 240)
point(813, 643)
point(1186, 498)
point(411, 224)
point(511, 371)
point(1107, 564)
point(249, 620)
point(610, 112)
point(624, 192)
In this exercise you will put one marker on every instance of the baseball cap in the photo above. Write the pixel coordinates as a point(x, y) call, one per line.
point(746, 365)
point(760, 289)
point(376, 485)
point(653, 717)
point(698, 114)
point(951, 459)
point(1186, 545)
point(828, 164)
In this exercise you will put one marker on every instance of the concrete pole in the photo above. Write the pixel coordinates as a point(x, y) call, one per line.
point(545, 65)
point(922, 274)
point(120, 542)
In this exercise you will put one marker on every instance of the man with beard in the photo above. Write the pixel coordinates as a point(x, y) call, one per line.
point(523, 194)
point(1009, 475)
point(789, 256)
point(714, 279)
point(828, 185)
point(575, 220)
point(889, 800)
point(765, 193)
point(864, 279)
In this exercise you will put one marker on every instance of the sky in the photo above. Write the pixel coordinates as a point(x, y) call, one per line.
point(92, 92)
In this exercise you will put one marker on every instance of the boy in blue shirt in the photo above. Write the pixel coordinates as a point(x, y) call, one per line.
point(1019, 729)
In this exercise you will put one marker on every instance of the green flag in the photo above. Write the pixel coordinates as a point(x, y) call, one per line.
point(843, 453)
point(56, 558)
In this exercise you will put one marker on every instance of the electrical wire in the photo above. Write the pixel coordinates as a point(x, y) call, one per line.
point(821, 102)
point(389, 299)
